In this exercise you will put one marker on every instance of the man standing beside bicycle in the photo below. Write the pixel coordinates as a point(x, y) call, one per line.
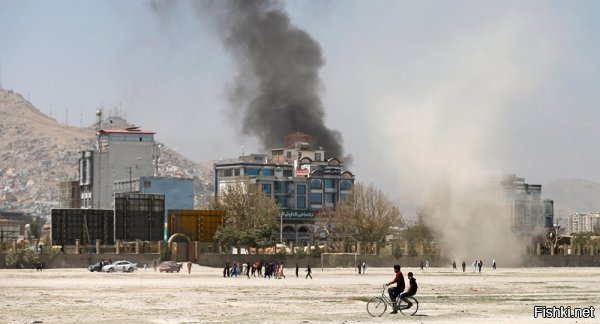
point(395, 291)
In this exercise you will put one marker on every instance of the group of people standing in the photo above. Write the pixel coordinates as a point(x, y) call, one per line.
point(265, 269)
point(477, 265)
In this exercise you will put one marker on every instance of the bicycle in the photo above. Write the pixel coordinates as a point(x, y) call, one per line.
point(377, 306)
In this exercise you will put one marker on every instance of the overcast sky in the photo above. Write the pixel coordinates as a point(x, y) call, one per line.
point(417, 89)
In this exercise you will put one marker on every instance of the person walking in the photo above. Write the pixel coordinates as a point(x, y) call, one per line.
point(464, 265)
point(421, 265)
point(145, 265)
point(280, 272)
point(480, 264)
point(308, 272)
point(189, 266)
point(296, 270)
point(494, 264)
point(453, 264)
point(364, 266)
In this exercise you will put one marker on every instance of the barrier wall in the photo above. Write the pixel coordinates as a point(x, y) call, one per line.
point(328, 260)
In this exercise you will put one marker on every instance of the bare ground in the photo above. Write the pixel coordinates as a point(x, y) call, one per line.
point(334, 295)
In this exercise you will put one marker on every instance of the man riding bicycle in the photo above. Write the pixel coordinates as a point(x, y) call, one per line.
point(411, 291)
point(395, 291)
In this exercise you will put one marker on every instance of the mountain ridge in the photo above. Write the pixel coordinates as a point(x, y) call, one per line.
point(38, 153)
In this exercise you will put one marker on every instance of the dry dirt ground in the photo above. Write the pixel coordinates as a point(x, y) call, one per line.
point(334, 295)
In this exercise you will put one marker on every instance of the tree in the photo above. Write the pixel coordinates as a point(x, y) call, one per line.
point(35, 228)
point(249, 217)
point(366, 215)
point(226, 238)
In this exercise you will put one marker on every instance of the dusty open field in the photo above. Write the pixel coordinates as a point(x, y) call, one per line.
point(338, 295)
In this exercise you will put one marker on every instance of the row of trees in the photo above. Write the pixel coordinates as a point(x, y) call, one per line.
point(586, 241)
point(365, 216)
point(250, 218)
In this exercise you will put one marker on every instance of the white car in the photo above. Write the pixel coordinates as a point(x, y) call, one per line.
point(123, 265)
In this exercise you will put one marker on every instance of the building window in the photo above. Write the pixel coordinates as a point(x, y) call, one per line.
point(227, 173)
point(289, 154)
point(251, 171)
point(301, 189)
point(287, 173)
point(345, 185)
point(280, 187)
point(299, 155)
point(266, 188)
point(147, 184)
point(236, 172)
point(316, 198)
point(301, 202)
point(315, 184)
point(329, 184)
point(330, 198)
point(268, 172)
point(281, 201)
point(317, 156)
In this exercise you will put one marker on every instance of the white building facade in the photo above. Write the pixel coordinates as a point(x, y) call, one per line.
point(581, 223)
point(120, 154)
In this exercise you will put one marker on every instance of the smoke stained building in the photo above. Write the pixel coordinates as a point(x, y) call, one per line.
point(296, 177)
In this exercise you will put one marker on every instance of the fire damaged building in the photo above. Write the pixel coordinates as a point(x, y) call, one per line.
point(305, 186)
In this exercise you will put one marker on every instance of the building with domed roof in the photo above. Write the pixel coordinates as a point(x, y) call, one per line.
point(305, 186)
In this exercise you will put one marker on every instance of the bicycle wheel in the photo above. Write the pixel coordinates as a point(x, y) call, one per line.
point(403, 307)
point(376, 306)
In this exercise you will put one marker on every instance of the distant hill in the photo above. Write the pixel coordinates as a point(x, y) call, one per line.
point(37, 153)
point(573, 196)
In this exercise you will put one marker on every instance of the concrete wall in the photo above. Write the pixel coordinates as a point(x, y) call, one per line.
point(84, 260)
point(328, 260)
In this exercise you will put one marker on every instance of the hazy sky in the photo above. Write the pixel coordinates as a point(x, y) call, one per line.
point(418, 89)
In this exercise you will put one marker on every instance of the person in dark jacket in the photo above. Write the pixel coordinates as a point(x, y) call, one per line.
point(308, 272)
point(411, 291)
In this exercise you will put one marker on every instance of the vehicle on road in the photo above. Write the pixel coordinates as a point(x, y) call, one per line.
point(95, 267)
point(122, 265)
point(169, 266)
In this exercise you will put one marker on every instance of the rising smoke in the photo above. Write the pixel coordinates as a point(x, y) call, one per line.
point(449, 134)
point(277, 87)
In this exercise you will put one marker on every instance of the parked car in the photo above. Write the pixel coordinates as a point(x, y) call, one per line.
point(169, 266)
point(122, 265)
point(95, 267)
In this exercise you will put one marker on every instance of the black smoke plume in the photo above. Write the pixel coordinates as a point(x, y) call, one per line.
point(277, 88)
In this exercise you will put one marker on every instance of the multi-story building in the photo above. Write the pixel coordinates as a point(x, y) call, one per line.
point(549, 212)
point(120, 154)
point(298, 178)
point(580, 223)
point(528, 212)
